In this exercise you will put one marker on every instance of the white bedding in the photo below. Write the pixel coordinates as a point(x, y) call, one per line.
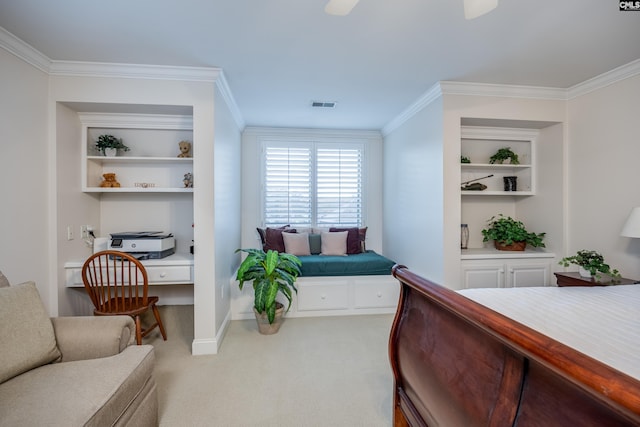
point(602, 322)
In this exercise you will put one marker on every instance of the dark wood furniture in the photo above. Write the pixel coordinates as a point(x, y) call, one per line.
point(458, 363)
point(117, 284)
point(574, 279)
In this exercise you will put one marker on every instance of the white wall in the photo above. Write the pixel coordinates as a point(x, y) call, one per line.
point(24, 170)
point(413, 193)
point(227, 167)
point(604, 150)
point(252, 181)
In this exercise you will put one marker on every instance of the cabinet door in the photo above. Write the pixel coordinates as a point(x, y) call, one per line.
point(483, 275)
point(522, 275)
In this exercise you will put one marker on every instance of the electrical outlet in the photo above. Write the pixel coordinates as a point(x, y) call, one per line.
point(84, 231)
point(69, 232)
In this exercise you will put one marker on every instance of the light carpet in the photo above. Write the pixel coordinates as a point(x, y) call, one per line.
point(322, 371)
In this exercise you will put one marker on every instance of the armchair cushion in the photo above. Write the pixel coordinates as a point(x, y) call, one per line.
point(89, 337)
point(26, 333)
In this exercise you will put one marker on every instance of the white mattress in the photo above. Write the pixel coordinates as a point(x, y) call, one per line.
point(602, 322)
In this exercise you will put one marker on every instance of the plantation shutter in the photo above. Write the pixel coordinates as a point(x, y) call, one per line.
point(339, 187)
point(288, 185)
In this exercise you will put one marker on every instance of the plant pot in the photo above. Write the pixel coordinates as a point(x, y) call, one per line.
point(515, 246)
point(583, 272)
point(110, 152)
point(264, 327)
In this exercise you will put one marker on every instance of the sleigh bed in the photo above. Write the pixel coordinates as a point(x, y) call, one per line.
point(457, 362)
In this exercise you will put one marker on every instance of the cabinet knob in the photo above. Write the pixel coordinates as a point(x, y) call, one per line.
point(379, 294)
point(323, 296)
point(163, 274)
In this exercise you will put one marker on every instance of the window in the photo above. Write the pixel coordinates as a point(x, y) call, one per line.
point(313, 184)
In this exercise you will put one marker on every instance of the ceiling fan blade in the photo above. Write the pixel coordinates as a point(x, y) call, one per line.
point(340, 7)
point(475, 8)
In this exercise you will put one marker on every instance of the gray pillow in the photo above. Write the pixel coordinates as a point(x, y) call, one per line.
point(4, 282)
point(26, 332)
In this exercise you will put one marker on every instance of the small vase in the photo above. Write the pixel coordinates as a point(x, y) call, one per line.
point(584, 272)
point(510, 183)
point(110, 152)
point(464, 236)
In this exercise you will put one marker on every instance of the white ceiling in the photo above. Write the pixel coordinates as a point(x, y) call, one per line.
point(279, 55)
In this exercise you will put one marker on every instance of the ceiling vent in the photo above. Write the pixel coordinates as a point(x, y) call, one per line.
point(318, 104)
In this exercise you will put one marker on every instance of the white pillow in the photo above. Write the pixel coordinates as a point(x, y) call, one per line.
point(334, 243)
point(296, 243)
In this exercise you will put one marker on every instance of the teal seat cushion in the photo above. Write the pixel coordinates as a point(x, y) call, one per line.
point(364, 264)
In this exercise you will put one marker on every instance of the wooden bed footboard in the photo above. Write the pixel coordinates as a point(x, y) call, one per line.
point(458, 363)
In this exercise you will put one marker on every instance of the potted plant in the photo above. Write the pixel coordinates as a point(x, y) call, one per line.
point(590, 263)
point(109, 144)
point(272, 273)
point(510, 235)
point(504, 154)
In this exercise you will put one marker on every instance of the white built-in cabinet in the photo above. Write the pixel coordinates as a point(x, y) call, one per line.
point(482, 266)
point(152, 195)
point(487, 271)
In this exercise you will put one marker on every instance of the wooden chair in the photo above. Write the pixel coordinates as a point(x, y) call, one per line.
point(117, 285)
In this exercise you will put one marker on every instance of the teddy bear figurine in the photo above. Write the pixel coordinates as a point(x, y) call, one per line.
point(110, 181)
point(188, 180)
point(185, 149)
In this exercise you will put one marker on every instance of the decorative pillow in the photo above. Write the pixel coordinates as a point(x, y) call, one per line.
point(334, 243)
point(26, 332)
point(4, 282)
point(362, 236)
point(296, 243)
point(273, 238)
point(262, 232)
point(315, 244)
point(353, 239)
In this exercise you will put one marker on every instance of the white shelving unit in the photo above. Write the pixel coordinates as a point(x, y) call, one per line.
point(151, 165)
point(480, 143)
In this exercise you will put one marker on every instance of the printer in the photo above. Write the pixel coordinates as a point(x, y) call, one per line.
point(144, 244)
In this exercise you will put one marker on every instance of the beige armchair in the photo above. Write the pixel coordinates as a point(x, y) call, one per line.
point(71, 371)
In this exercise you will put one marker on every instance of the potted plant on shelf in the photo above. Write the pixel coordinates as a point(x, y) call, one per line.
point(272, 273)
point(109, 145)
point(504, 154)
point(510, 235)
point(590, 263)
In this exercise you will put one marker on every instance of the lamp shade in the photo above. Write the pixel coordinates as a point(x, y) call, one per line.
point(632, 226)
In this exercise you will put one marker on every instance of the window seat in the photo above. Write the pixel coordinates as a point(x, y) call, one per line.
point(368, 263)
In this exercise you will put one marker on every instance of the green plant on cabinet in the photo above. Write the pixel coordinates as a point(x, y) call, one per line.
point(507, 231)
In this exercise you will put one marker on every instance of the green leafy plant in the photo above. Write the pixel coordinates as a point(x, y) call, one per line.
point(271, 272)
point(464, 159)
point(504, 154)
point(507, 230)
point(591, 261)
point(110, 141)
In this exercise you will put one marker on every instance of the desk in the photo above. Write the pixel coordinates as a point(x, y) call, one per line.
point(176, 269)
point(574, 279)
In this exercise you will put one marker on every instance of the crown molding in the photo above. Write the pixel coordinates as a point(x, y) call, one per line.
point(133, 71)
point(510, 134)
point(225, 91)
point(617, 74)
point(24, 51)
point(435, 92)
point(505, 91)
